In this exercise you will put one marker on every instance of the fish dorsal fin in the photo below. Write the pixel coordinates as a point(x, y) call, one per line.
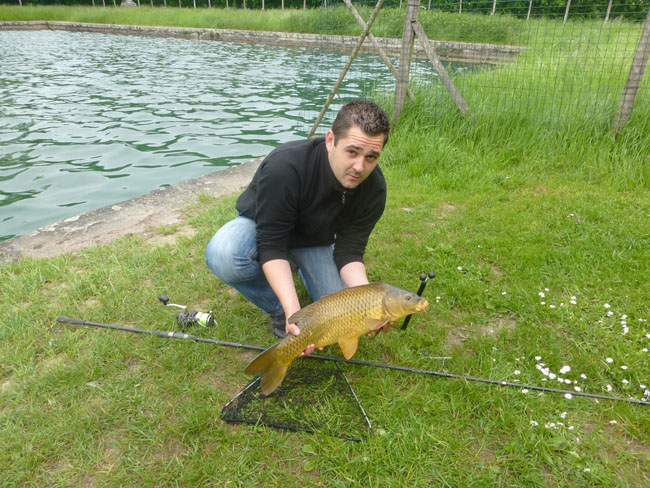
point(348, 345)
point(374, 324)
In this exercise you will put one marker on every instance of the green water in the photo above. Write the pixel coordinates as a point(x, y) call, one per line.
point(88, 120)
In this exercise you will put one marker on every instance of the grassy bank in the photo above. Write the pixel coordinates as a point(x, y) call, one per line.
point(501, 29)
point(540, 247)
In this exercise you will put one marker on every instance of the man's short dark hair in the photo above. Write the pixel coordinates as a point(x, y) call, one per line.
point(366, 115)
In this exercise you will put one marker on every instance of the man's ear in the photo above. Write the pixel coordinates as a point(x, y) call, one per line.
point(329, 140)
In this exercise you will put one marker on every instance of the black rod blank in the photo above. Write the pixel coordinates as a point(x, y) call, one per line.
point(183, 335)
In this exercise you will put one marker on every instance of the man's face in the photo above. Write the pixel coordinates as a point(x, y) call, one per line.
point(354, 156)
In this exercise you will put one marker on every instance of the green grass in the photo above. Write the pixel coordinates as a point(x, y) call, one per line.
point(516, 208)
point(502, 206)
point(500, 29)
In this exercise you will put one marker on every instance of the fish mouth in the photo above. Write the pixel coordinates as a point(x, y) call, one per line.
point(422, 305)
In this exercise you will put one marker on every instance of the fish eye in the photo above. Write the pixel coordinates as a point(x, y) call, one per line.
point(408, 297)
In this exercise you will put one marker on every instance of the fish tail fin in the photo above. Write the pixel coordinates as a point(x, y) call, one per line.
point(269, 366)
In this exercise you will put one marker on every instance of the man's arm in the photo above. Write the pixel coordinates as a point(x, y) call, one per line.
point(278, 274)
point(354, 274)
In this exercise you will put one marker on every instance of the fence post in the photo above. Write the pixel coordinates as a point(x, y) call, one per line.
point(566, 12)
point(530, 7)
point(634, 79)
point(440, 69)
point(494, 7)
point(408, 36)
point(609, 9)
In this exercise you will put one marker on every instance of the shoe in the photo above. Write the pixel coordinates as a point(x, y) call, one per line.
point(278, 324)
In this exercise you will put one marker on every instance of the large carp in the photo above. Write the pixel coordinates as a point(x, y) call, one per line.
point(341, 317)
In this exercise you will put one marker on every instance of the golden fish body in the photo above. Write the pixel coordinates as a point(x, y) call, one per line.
point(342, 318)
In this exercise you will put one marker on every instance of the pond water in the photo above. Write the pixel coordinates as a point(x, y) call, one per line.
point(88, 120)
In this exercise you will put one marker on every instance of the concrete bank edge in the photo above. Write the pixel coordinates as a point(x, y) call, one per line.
point(447, 50)
point(140, 215)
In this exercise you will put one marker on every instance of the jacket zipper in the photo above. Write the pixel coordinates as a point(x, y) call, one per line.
point(343, 197)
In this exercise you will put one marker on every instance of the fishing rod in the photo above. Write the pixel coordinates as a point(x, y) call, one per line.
point(183, 335)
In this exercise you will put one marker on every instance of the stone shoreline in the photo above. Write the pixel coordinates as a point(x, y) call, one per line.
point(467, 52)
point(140, 215)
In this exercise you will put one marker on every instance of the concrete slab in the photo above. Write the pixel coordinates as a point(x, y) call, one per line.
point(140, 215)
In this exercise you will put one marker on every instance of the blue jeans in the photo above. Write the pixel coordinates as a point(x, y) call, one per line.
point(232, 257)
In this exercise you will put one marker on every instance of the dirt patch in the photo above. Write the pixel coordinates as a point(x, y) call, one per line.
point(456, 336)
point(497, 326)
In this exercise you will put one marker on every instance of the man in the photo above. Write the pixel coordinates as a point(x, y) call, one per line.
point(312, 203)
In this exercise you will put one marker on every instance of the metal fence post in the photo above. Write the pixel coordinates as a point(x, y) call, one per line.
point(634, 79)
point(408, 36)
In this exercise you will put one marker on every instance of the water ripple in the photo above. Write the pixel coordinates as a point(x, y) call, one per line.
point(90, 119)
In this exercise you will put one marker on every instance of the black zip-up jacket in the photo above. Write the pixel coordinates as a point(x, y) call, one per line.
point(296, 201)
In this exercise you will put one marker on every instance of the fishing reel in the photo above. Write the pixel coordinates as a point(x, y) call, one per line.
point(186, 319)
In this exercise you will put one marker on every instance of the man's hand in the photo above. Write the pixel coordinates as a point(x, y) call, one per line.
point(293, 329)
point(385, 328)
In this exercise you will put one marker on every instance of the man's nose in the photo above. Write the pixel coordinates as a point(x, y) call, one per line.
point(358, 165)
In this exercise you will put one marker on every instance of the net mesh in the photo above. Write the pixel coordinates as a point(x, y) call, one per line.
point(315, 396)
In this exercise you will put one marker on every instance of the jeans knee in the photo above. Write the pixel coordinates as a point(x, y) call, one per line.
point(230, 257)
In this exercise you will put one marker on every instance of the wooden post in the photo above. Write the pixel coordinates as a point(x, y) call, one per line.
point(530, 7)
point(566, 12)
point(440, 69)
point(609, 10)
point(634, 79)
point(494, 7)
point(460, 7)
point(405, 54)
point(355, 51)
point(376, 45)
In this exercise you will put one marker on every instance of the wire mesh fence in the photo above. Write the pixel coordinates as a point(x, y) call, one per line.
point(546, 61)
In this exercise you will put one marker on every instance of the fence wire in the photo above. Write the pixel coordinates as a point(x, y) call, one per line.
point(519, 58)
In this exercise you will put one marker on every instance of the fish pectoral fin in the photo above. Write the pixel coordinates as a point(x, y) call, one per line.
point(348, 345)
point(374, 324)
